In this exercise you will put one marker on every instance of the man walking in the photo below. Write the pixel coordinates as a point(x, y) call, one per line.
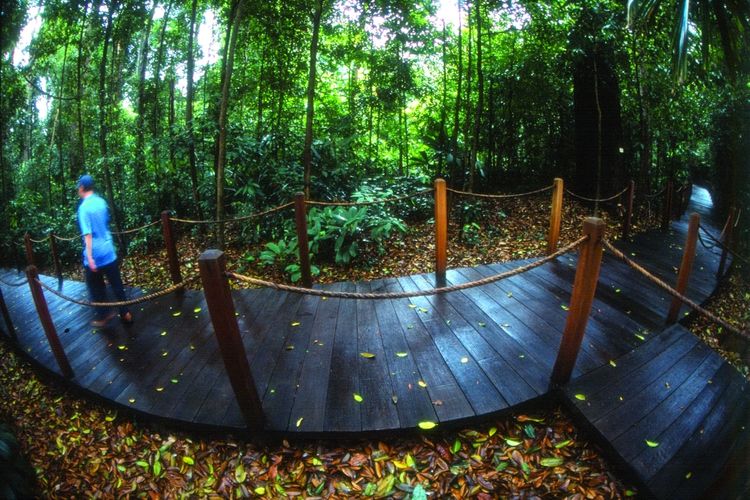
point(99, 256)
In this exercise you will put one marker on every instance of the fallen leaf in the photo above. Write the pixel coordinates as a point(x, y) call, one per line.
point(427, 425)
point(367, 355)
point(358, 398)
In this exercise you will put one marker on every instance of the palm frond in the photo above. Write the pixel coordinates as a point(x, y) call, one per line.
point(640, 11)
point(681, 35)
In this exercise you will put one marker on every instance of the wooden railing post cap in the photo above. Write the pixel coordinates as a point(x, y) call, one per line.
point(212, 255)
point(593, 223)
point(31, 270)
point(299, 194)
point(165, 213)
point(439, 181)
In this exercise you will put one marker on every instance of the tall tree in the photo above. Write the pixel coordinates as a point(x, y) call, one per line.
point(307, 150)
point(189, 112)
point(233, 29)
point(140, 129)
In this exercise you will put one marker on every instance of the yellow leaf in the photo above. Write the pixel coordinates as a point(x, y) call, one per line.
point(159, 389)
point(464, 360)
point(493, 431)
point(581, 397)
point(197, 310)
point(652, 444)
point(176, 313)
point(612, 363)
point(402, 354)
point(131, 400)
point(358, 398)
point(164, 333)
point(296, 323)
point(412, 306)
point(260, 490)
point(422, 383)
point(188, 460)
point(564, 307)
point(367, 355)
point(427, 425)
point(400, 465)
point(299, 421)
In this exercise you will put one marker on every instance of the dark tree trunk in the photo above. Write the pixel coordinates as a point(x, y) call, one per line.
point(480, 101)
point(140, 132)
point(307, 150)
point(223, 109)
point(80, 158)
point(189, 112)
point(103, 126)
point(596, 106)
point(457, 106)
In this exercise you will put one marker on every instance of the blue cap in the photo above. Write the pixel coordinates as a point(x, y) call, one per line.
point(86, 182)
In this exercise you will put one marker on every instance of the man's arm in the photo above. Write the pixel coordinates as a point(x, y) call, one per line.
point(90, 251)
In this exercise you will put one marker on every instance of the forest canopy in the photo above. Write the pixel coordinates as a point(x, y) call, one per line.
point(216, 108)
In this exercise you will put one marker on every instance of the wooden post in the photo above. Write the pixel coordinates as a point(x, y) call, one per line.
point(727, 241)
point(49, 327)
point(441, 231)
point(55, 257)
point(666, 215)
point(584, 288)
point(555, 216)
point(685, 267)
point(212, 264)
point(170, 244)
point(29, 247)
point(628, 210)
point(6, 316)
point(300, 219)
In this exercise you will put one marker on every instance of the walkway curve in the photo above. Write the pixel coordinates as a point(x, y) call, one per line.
point(337, 368)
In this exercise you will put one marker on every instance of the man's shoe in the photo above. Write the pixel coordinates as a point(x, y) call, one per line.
point(127, 318)
point(99, 323)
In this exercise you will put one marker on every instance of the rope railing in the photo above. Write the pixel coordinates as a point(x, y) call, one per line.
point(368, 203)
point(40, 240)
point(719, 243)
point(416, 293)
point(674, 293)
point(63, 238)
point(136, 229)
point(597, 200)
point(235, 219)
point(121, 303)
point(500, 196)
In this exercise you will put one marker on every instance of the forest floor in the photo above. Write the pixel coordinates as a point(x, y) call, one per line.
point(79, 448)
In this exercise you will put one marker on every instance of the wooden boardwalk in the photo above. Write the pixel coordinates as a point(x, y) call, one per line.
point(449, 359)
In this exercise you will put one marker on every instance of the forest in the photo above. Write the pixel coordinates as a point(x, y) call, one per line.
point(216, 109)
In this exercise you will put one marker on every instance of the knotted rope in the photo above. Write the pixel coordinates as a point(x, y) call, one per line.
point(500, 196)
point(122, 303)
point(136, 229)
point(236, 219)
point(597, 200)
point(416, 293)
point(367, 203)
point(674, 293)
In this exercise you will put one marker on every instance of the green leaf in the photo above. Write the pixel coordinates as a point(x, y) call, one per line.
point(402, 354)
point(157, 468)
point(410, 461)
point(176, 313)
point(240, 474)
point(141, 463)
point(564, 307)
point(652, 444)
point(295, 323)
point(197, 310)
point(299, 421)
point(612, 363)
point(512, 442)
point(358, 398)
point(260, 490)
point(367, 355)
point(551, 462)
point(456, 446)
point(581, 397)
point(563, 444)
point(427, 425)
point(188, 460)
point(492, 431)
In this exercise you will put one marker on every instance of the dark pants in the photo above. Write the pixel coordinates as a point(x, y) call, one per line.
point(98, 290)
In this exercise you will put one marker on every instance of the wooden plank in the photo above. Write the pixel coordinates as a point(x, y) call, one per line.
point(658, 418)
point(606, 397)
point(511, 386)
point(614, 423)
point(479, 390)
point(342, 411)
point(413, 403)
point(445, 393)
point(375, 384)
point(706, 451)
point(310, 397)
point(529, 355)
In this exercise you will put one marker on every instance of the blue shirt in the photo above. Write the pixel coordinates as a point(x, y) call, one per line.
point(93, 219)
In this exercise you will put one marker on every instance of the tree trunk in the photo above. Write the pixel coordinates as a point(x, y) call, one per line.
point(480, 101)
point(441, 167)
point(189, 112)
point(466, 157)
point(307, 151)
point(459, 95)
point(223, 107)
point(140, 138)
point(103, 127)
point(156, 113)
point(80, 158)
